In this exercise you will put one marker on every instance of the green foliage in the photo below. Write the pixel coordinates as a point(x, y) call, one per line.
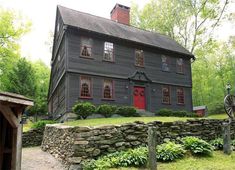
point(169, 112)
point(132, 157)
point(170, 151)
point(22, 79)
point(197, 146)
point(84, 109)
point(105, 110)
point(126, 111)
point(42, 123)
point(217, 143)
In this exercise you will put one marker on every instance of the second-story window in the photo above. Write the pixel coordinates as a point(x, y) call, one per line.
point(166, 95)
point(139, 58)
point(179, 65)
point(108, 51)
point(108, 89)
point(86, 47)
point(85, 87)
point(165, 63)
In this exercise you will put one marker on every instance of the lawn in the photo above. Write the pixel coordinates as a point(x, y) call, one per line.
point(122, 120)
point(218, 161)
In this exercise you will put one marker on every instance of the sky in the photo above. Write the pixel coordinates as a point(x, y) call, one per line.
point(42, 13)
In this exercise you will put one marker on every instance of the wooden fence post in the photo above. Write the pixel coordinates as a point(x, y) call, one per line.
point(152, 160)
point(226, 139)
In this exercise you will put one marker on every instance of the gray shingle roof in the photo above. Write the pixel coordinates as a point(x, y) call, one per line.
point(112, 28)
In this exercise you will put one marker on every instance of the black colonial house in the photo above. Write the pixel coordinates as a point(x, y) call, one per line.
point(108, 61)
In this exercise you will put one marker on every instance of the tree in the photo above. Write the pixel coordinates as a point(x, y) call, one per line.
point(22, 79)
point(12, 28)
point(189, 22)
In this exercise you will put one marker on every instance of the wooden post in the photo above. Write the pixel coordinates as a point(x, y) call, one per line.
point(152, 159)
point(226, 138)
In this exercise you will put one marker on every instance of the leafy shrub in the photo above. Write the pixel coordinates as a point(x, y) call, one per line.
point(105, 110)
point(132, 157)
point(169, 151)
point(197, 146)
point(217, 143)
point(83, 109)
point(126, 111)
point(169, 112)
point(42, 123)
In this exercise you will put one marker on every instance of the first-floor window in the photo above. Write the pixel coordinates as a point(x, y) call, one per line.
point(108, 89)
point(85, 87)
point(166, 95)
point(180, 95)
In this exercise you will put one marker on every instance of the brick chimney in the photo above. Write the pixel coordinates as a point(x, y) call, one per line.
point(121, 14)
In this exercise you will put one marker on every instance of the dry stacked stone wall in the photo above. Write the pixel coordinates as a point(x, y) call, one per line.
point(32, 137)
point(76, 144)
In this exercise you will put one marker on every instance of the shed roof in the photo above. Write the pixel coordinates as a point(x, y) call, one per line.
point(15, 98)
point(199, 108)
point(111, 28)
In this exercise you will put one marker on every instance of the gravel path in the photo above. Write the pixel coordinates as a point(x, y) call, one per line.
point(35, 159)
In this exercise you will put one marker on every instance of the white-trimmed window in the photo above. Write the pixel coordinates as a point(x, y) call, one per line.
point(180, 96)
point(108, 51)
point(166, 96)
point(85, 87)
point(139, 58)
point(179, 65)
point(165, 63)
point(86, 46)
point(108, 89)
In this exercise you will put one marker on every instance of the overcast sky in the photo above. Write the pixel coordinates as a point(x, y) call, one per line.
point(42, 15)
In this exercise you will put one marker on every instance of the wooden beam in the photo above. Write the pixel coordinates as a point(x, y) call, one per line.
point(2, 139)
point(10, 116)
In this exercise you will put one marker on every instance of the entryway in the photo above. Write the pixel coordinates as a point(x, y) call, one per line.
point(139, 97)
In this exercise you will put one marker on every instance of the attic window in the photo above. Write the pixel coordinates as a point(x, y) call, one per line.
point(108, 89)
point(165, 63)
point(166, 95)
point(180, 65)
point(85, 47)
point(139, 58)
point(108, 51)
point(85, 87)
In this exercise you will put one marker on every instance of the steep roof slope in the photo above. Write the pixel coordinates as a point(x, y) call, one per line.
point(112, 28)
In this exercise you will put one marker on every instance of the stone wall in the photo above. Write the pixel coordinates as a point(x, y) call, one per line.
point(75, 144)
point(32, 137)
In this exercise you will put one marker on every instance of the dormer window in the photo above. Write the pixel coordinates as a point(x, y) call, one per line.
point(108, 51)
point(139, 58)
point(165, 63)
point(180, 65)
point(85, 47)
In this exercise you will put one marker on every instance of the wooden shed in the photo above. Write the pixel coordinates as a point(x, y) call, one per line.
point(11, 108)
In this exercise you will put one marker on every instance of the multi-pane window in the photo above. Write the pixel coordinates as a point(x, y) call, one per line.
point(165, 63)
point(139, 58)
point(166, 95)
point(108, 89)
point(108, 51)
point(180, 65)
point(86, 47)
point(85, 87)
point(180, 95)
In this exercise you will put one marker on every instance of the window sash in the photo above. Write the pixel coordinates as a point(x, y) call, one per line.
point(180, 65)
point(108, 94)
point(139, 58)
point(180, 96)
point(85, 87)
point(108, 51)
point(166, 95)
point(165, 63)
point(86, 47)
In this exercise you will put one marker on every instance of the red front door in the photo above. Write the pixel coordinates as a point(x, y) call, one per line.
point(139, 97)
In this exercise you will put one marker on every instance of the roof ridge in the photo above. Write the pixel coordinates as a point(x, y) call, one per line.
point(118, 22)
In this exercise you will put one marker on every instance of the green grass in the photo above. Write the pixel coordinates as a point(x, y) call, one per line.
point(122, 120)
point(218, 161)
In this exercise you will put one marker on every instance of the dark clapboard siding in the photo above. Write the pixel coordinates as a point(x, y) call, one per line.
point(124, 62)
